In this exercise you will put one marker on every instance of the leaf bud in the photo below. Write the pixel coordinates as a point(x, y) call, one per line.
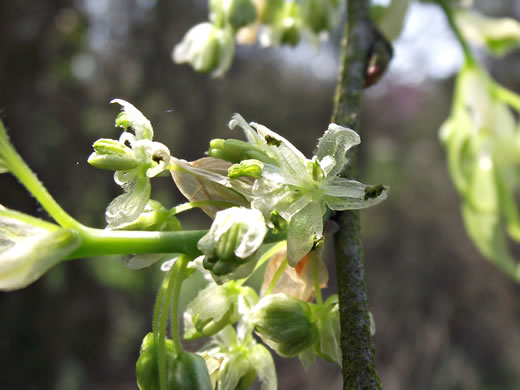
point(112, 155)
point(284, 323)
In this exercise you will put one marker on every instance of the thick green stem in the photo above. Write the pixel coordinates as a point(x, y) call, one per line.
point(359, 372)
point(101, 242)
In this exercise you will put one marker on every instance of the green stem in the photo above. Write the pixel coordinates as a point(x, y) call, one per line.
point(165, 304)
point(448, 11)
point(100, 242)
point(507, 96)
point(276, 276)
point(157, 309)
point(17, 166)
point(315, 278)
point(181, 265)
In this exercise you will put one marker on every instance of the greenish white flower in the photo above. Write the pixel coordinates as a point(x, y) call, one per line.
point(301, 190)
point(233, 239)
point(136, 159)
point(29, 247)
point(235, 360)
point(482, 143)
point(207, 48)
point(216, 307)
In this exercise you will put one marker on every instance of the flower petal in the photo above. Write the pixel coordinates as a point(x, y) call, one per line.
point(300, 237)
point(347, 203)
point(127, 207)
point(288, 156)
point(336, 141)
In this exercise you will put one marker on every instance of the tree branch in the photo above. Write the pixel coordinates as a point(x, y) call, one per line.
point(359, 372)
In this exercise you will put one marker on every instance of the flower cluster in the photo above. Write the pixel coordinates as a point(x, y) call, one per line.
point(268, 203)
point(209, 46)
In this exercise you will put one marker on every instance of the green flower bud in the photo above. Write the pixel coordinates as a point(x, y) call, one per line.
point(207, 48)
point(284, 323)
point(184, 371)
point(112, 155)
point(238, 13)
point(234, 237)
point(252, 168)
point(235, 151)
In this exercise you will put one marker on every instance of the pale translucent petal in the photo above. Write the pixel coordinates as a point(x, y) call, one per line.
point(317, 218)
point(277, 175)
point(251, 135)
point(336, 141)
point(345, 203)
point(300, 237)
point(287, 155)
point(140, 124)
point(127, 207)
point(262, 361)
point(289, 209)
point(232, 371)
point(344, 188)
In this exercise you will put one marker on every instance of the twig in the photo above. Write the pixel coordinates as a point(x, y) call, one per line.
point(359, 372)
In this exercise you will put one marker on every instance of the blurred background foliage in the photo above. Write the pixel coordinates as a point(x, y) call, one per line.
point(446, 318)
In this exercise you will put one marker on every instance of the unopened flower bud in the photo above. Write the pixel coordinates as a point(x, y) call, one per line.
point(252, 168)
point(112, 155)
point(235, 151)
point(284, 323)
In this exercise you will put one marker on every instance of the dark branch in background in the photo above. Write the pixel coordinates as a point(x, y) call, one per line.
point(364, 49)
